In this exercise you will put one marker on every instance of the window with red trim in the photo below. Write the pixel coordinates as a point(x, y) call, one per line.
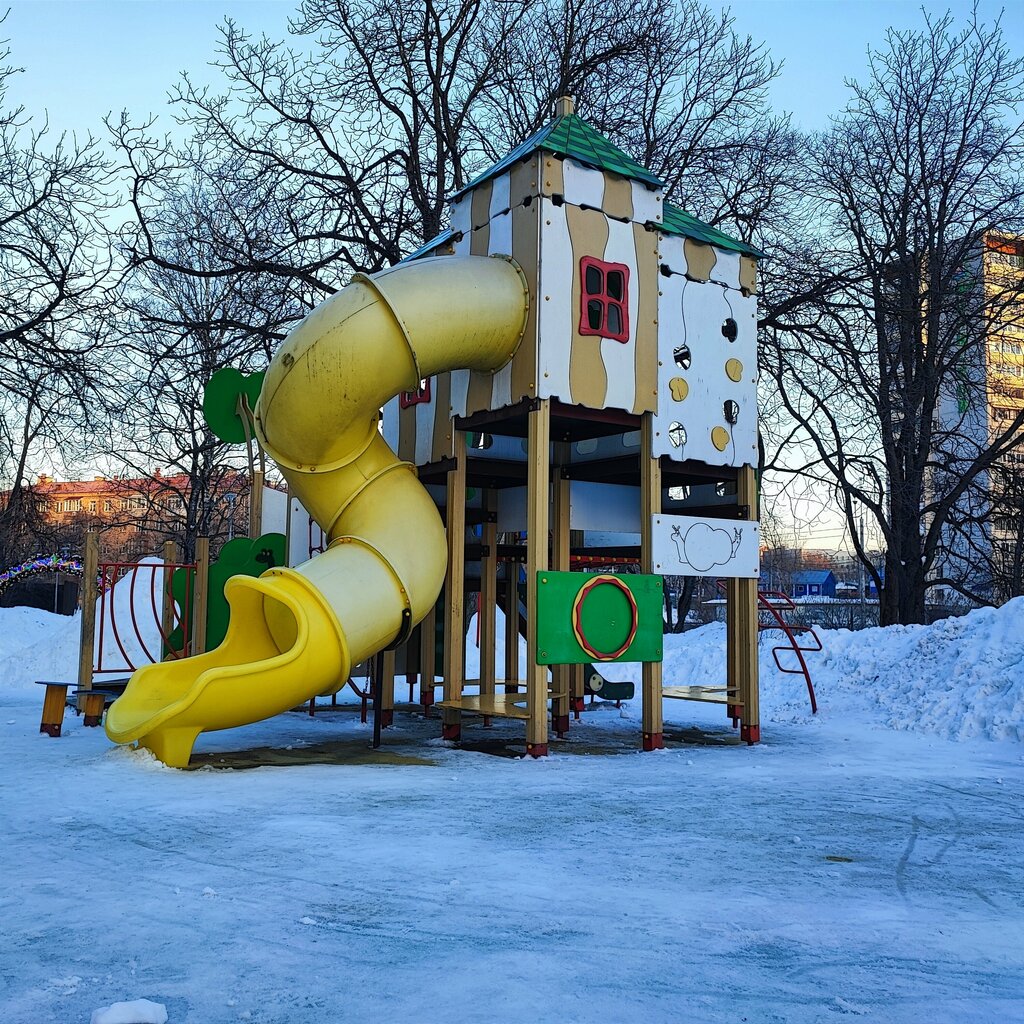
point(417, 397)
point(604, 299)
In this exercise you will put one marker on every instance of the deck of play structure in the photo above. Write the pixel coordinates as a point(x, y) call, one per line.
point(572, 365)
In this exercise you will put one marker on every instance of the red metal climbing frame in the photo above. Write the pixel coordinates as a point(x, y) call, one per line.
point(772, 607)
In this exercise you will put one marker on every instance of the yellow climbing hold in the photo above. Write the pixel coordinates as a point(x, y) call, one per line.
point(734, 370)
point(720, 438)
point(679, 388)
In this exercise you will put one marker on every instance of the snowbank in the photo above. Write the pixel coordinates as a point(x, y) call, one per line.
point(960, 678)
point(38, 645)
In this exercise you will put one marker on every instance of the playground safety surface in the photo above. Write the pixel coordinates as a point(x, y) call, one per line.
point(408, 743)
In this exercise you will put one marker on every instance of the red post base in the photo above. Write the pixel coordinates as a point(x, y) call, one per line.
point(733, 711)
point(654, 741)
point(751, 734)
point(387, 717)
point(92, 720)
point(50, 730)
point(451, 732)
point(578, 703)
point(427, 697)
point(487, 721)
point(560, 724)
point(537, 749)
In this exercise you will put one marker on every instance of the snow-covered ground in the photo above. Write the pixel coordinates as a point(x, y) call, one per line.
point(865, 863)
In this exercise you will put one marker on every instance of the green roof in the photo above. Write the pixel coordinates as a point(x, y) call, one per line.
point(571, 136)
point(677, 222)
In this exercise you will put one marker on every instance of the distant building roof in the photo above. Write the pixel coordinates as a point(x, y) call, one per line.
point(813, 576)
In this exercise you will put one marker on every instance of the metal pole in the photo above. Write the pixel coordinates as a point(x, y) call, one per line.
point(863, 577)
point(378, 694)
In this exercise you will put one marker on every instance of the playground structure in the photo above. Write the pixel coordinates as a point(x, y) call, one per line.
point(573, 359)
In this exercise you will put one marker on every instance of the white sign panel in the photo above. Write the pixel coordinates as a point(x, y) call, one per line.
point(689, 546)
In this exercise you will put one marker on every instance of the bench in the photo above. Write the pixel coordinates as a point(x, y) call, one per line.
point(90, 702)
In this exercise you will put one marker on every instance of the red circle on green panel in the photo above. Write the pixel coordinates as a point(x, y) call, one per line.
point(604, 617)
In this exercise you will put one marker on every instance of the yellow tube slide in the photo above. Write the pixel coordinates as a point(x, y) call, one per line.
point(295, 633)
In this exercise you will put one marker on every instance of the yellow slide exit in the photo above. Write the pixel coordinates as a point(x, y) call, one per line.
point(295, 633)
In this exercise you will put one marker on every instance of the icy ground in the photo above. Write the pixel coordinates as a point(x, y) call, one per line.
point(864, 864)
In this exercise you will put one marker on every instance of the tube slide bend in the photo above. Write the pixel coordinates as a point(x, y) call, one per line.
point(295, 633)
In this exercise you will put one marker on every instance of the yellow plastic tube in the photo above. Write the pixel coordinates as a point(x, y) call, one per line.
point(295, 633)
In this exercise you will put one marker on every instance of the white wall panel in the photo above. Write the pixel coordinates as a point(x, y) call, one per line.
point(583, 185)
point(647, 204)
point(554, 300)
point(692, 546)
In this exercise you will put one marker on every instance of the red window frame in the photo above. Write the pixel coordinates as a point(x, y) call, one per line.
point(407, 399)
point(602, 300)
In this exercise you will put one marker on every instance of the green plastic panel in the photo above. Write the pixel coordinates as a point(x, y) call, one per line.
point(220, 401)
point(239, 557)
point(605, 618)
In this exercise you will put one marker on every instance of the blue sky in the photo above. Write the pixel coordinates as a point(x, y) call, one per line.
point(84, 58)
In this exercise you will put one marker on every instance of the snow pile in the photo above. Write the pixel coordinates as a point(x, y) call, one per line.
point(961, 678)
point(139, 1011)
point(37, 645)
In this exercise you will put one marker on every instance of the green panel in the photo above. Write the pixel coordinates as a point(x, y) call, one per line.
point(220, 401)
point(605, 618)
point(238, 557)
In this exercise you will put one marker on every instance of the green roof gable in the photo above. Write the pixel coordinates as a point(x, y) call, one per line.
point(570, 135)
point(677, 222)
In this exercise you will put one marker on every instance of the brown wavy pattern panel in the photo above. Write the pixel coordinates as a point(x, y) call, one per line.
point(588, 379)
point(700, 260)
point(618, 197)
point(479, 394)
point(526, 252)
point(646, 323)
point(441, 397)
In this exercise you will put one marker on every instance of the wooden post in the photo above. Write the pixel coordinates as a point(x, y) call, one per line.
point(92, 708)
point(455, 589)
point(488, 594)
point(746, 626)
point(538, 478)
point(511, 627)
point(55, 696)
point(650, 506)
point(200, 595)
point(561, 674)
point(387, 689)
point(732, 647)
point(256, 504)
point(90, 594)
point(170, 557)
point(428, 658)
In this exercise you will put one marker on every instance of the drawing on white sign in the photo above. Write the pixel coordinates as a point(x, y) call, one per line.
point(703, 546)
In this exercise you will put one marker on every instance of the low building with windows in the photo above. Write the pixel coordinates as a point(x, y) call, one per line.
point(135, 515)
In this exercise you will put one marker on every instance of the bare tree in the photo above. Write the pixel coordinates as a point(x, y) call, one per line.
point(54, 262)
point(346, 145)
point(176, 331)
point(877, 344)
